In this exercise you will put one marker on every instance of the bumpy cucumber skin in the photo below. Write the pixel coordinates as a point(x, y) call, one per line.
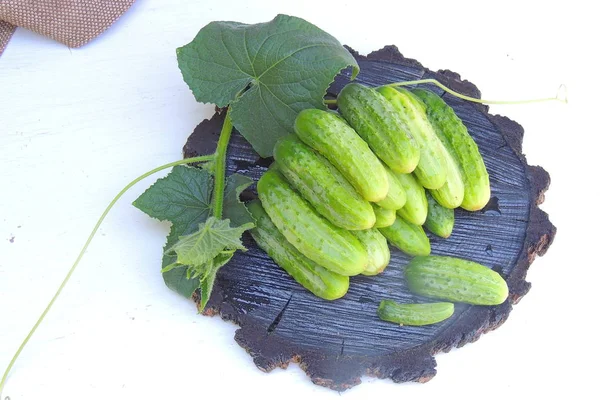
point(456, 280)
point(440, 220)
point(415, 208)
point(396, 197)
point(318, 280)
point(431, 170)
point(341, 145)
point(377, 250)
point(383, 216)
point(409, 238)
point(414, 314)
point(314, 236)
point(462, 147)
point(379, 124)
point(322, 185)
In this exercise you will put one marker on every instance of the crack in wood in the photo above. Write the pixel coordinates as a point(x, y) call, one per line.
point(342, 348)
point(277, 319)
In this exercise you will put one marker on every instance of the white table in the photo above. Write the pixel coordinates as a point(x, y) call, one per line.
point(77, 124)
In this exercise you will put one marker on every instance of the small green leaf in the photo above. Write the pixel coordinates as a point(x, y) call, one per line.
point(176, 279)
point(233, 208)
point(182, 197)
point(206, 287)
point(266, 72)
point(208, 281)
point(199, 256)
point(213, 237)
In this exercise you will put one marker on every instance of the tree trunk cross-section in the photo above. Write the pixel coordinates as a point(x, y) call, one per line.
point(337, 342)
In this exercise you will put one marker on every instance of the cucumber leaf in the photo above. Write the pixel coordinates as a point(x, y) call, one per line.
point(265, 72)
point(202, 253)
point(183, 197)
point(233, 208)
point(211, 239)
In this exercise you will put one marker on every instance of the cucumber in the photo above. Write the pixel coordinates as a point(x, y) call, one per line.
point(341, 145)
point(415, 208)
point(314, 236)
point(396, 197)
point(322, 185)
point(379, 124)
point(451, 195)
point(432, 170)
point(409, 238)
point(414, 314)
point(318, 280)
point(456, 280)
point(377, 250)
point(454, 134)
point(440, 220)
point(383, 216)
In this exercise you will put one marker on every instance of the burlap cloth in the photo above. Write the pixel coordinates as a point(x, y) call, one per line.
point(72, 22)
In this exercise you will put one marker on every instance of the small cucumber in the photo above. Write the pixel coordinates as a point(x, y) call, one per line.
point(379, 124)
point(440, 220)
point(409, 238)
point(414, 314)
point(431, 170)
point(318, 280)
point(383, 216)
point(455, 279)
point(322, 185)
point(415, 208)
point(341, 145)
point(318, 239)
point(377, 250)
point(396, 197)
point(462, 147)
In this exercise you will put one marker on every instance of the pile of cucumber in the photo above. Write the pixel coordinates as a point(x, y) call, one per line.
point(343, 185)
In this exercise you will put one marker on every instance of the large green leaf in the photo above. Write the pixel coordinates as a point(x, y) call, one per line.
point(266, 72)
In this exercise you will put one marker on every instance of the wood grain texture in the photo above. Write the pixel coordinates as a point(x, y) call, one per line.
point(338, 342)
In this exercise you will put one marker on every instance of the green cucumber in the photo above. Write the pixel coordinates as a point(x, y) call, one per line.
point(431, 170)
point(409, 238)
point(377, 250)
point(454, 134)
point(318, 280)
point(396, 197)
point(383, 216)
point(318, 239)
point(341, 145)
point(455, 279)
point(414, 314)
point(415, 208)
point(322, 185)
point(379, 124)
point(440, 220)
point(451, 195)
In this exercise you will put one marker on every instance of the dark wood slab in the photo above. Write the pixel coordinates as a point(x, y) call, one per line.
point(338, 342)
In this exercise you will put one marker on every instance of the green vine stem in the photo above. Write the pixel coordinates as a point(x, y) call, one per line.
point(91, 236)
point(220, 164)
point(561, 94)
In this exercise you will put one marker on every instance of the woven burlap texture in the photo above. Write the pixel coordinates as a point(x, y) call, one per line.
point(72, 22)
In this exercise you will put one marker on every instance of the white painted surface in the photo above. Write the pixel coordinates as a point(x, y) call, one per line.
point(117, 332)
